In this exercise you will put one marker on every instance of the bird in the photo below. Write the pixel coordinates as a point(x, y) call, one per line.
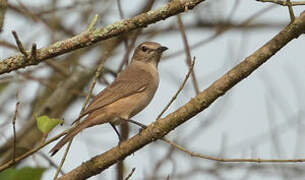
point(126, 96)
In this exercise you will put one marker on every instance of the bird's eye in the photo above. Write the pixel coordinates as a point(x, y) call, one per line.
point(144, 48)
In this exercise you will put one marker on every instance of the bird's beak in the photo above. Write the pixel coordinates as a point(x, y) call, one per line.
point(162, 48)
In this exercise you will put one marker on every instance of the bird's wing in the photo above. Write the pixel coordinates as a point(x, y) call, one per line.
point(129, 82)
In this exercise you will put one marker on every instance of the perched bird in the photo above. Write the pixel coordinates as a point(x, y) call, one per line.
point(129, 93)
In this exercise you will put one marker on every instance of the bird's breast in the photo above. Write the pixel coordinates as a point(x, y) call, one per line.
point(131, 105)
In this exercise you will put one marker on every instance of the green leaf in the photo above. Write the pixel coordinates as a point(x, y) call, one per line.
point(26, 173)
point(3, 86)
point(8, 174)
point(46, 124)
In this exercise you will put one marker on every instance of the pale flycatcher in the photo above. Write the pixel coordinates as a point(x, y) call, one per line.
point(129, 93)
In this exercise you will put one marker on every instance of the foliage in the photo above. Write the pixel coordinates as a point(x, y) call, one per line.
point(46, 124)
point(25, 173)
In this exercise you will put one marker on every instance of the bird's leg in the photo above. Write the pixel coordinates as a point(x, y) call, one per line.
point(117, 132)
point(143, 126)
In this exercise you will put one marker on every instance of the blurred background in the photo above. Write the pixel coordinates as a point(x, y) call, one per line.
point(261, 117)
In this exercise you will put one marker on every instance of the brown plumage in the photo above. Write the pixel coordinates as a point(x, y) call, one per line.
point(129, 94)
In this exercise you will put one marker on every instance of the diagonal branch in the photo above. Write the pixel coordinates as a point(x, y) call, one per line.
point(284, 3)
point(203, 100)
point(89, 38)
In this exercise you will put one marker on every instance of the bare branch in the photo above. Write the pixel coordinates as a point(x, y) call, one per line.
point(86, 38)
point(19, 44)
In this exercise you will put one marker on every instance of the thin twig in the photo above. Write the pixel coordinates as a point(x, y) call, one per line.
point(187, 52)
point(233, 10)
point(27, 11)
point(130, 174)
point(221, 31)
point(34, 52)
point(120, 9)
point(125, 39)
point(121, 13)
point(168, 156)
point(57, 68)
point(19, 44)
point(93, 23)
point(14, 128)
point(179, 90)
point(97, 75)
point(8, 45)
point(42, 81)
point(128, 50)
point(291, 13)
point(63, 160)
point(219, 159)
point(284, 3)
point(50, 161)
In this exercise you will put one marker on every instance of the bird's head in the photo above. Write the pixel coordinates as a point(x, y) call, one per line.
point(149, 52)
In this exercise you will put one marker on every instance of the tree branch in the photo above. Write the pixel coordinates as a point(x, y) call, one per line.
point(89, 38)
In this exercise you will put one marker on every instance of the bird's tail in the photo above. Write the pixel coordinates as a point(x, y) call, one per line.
point(68, 137)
